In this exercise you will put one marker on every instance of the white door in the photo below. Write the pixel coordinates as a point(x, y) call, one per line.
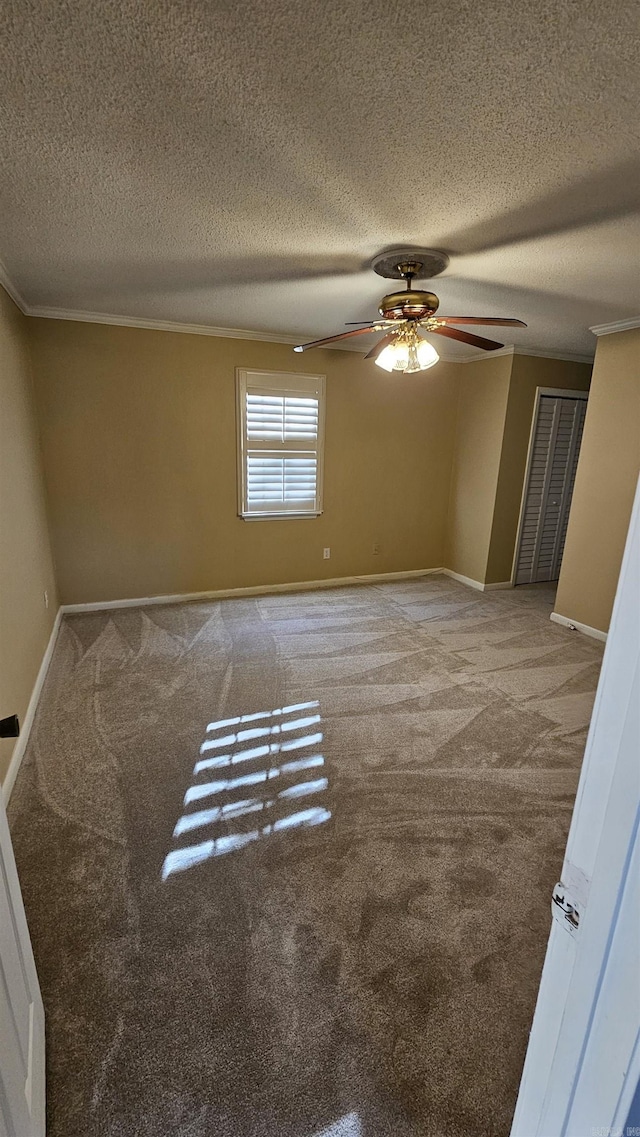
point(583, 1060)
point(22, 1068)
point(551, 471)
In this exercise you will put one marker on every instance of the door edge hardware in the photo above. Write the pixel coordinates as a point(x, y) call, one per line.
point(565, 909)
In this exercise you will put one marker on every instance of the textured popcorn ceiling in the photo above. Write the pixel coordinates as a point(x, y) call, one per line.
point(237, 164)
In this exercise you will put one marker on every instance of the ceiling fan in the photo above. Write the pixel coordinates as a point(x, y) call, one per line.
point(402, 313)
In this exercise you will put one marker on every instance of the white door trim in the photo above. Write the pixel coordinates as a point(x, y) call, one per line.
point(588, 1011)
point(22, 1062)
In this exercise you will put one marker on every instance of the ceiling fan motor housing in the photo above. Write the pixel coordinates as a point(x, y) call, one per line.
point(410, 305)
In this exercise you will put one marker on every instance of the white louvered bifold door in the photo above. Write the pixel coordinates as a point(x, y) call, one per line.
point(554, 460)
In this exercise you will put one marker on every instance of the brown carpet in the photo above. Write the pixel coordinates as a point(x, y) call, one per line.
point(287, 861)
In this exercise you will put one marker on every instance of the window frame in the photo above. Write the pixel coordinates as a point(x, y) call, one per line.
point(295, 383)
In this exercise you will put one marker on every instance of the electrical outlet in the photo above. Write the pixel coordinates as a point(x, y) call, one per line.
point(376, 549)
point(326, 553)
point(46, 599)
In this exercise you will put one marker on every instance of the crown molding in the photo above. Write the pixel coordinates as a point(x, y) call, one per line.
point(479, 353)
point(516, 349)
point(566, 356)
point(158, 325)
point(79, 317)
point(12, 291)
point(617, 326)
point(194, 329)
point(44, 313)
point(266, 337)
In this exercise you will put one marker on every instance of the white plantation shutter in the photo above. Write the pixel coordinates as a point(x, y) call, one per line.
point(280, 419)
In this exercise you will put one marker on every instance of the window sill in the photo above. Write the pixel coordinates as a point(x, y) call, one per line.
point(278, 516)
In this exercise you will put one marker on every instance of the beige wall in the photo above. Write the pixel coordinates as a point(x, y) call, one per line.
point(139, 441)
point(527, 374)
point(483, 390)
point(139, 444)
point(495, 409)
point(605, 484)
point(26, 568)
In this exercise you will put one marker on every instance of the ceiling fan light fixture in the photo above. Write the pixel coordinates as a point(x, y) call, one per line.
point(408, 357)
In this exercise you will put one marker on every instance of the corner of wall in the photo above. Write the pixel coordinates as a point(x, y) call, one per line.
point(27, 572)
point(446, 550)
point(481, 412)
point(29, 328)
point(528, 374)
point(606, 481)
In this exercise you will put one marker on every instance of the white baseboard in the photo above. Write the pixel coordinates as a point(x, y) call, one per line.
point(586, 630)
point(251, 590)
point(27, 722)
point(477, 584)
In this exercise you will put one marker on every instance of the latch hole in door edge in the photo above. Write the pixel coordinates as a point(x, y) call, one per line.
point(565, 908)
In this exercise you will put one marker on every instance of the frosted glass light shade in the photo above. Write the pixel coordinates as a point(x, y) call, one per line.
point(403, 357)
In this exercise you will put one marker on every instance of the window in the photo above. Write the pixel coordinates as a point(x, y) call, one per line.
point(280, 434)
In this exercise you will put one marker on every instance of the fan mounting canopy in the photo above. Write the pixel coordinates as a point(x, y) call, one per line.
point(397, 264)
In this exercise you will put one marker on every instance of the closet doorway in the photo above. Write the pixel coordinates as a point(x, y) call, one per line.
point(554, 448)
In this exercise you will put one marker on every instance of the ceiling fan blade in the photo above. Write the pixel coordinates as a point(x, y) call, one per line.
point(502, 322)
point(466, 337)
point(379, 323)
point(380, 346)
point(332, 339)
